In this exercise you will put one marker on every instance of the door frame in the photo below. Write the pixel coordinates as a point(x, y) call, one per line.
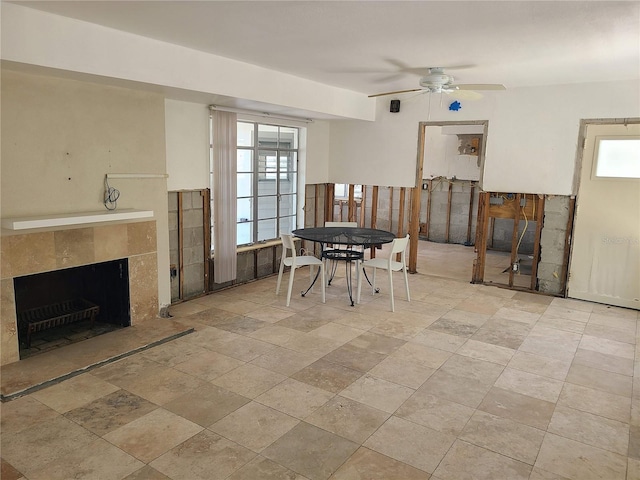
point(577, 175)
point(414, 221)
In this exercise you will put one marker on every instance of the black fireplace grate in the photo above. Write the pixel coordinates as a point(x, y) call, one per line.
point(51, 316)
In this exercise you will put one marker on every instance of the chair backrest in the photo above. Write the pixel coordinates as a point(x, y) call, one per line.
point(340, 224)
point(399, 245)
point(287, 244)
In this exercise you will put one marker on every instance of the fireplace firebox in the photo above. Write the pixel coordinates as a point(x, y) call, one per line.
point(85, 296)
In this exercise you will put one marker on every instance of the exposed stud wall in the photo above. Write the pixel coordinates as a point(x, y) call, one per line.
point(193, 246)
point(174, 246)
point(553, 256)
point(436, 230)
point(187, 227)
point(500, 236)
point(261, 262)
point(314, 205)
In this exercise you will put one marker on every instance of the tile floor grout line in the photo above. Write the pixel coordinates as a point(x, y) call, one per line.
point(452, 455)
point(74, 373)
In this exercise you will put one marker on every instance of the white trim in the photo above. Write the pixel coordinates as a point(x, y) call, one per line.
point(137, 175)
point(61, 220)
point(259, 114)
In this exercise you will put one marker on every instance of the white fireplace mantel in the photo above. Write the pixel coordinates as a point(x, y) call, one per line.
point(78, 218)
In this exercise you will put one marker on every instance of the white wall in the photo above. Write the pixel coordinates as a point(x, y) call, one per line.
point(317, 152)
point(187, 136)
point(39, 38)
point(531, 141)
point(533, 137)
point(441, 157)
point(435, 153)
point(60, 138)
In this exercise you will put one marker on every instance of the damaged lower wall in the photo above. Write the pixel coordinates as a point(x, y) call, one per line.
point(501, 232)
point(449, 211)
point(390, 212)
point(187, 244)
point(558, 212)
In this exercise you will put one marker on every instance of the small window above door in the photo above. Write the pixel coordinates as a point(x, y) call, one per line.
point(617, 157)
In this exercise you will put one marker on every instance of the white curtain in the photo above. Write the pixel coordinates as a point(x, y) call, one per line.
point(224, 136)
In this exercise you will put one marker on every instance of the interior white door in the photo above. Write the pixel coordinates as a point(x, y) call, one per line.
point(605, 255)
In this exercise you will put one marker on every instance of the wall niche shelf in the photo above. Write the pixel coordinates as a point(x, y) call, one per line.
point(78, 218)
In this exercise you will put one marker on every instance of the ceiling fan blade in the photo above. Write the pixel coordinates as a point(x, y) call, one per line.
point(395, 92)
point(465, 95)
point(480, 86)
point(422, 71)
point(389, 78)
point(403, 68)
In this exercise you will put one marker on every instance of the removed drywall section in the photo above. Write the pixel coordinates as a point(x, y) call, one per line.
point(392, 211)
point(314, 206)
point(521, 269)
point(501, 231)
point(187, 244)
point(448, 211)
point(554, 245)
point(174, 247)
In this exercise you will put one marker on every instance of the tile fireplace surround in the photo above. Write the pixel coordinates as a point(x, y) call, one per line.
point(45, 251)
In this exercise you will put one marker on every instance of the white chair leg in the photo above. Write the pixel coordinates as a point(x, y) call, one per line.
point(322, 275)
point(291, 273)
point(359, 279)
point(373, 281)
point(280, 276)
point(327, 269)
point(406, 284)
point(393, 308)
point(311, 277)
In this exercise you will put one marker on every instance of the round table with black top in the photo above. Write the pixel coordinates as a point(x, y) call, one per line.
point(347, 236)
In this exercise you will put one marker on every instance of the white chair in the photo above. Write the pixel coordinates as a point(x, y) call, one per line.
point(297, 261)
point(399, 245)
point(333, 254)
point(341, 224)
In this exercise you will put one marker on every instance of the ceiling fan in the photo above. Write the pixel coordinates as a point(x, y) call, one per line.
point(436, 81)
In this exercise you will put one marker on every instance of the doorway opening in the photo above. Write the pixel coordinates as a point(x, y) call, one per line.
point(448, 178)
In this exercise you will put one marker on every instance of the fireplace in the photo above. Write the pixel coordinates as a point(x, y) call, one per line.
point(48, 303)
point(117, 248)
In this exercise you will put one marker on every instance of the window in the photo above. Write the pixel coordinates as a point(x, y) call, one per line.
point(267, 181)
point(618, 157)
point(341, 190)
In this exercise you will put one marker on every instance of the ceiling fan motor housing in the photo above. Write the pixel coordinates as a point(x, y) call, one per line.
point(436, 79)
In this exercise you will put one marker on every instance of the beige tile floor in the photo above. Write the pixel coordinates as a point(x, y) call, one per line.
point(463, 382)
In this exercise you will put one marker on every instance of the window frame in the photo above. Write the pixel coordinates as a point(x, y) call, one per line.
point(260, 177)
point(357, 193)
point(596, 161)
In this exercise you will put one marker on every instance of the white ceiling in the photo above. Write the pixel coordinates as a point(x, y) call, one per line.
point(376, 46)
